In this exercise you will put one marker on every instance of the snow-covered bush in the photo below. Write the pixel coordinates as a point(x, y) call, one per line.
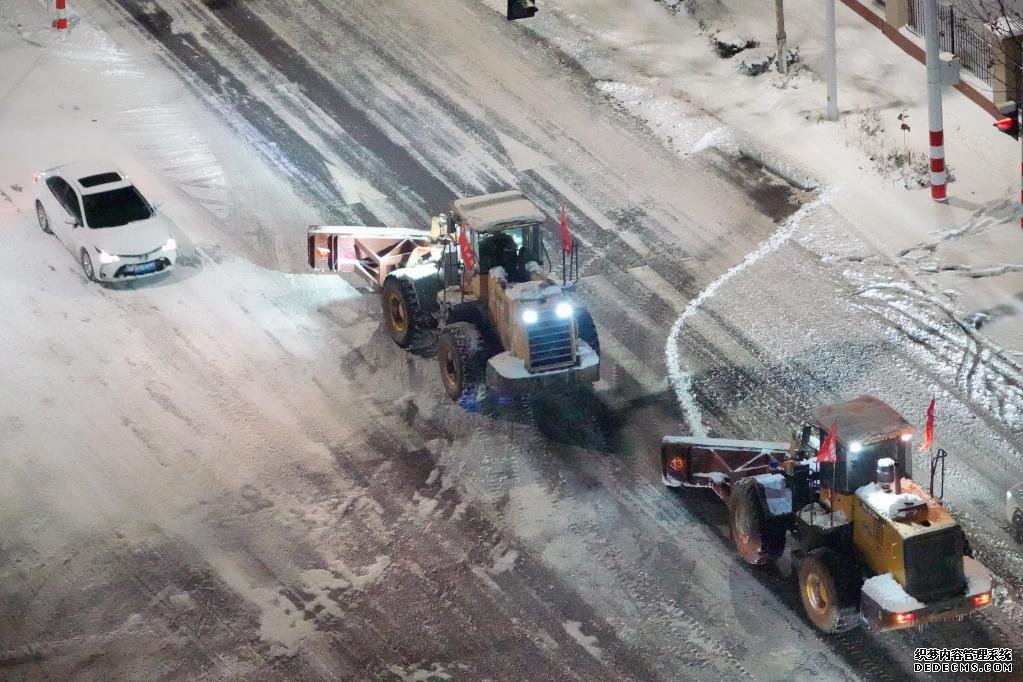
point(694, 8)
point(730, 43)
point(756, 62)
point(869, 122)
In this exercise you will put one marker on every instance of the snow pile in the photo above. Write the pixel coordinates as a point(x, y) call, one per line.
point(885, 503)
point(889, 594)
point(816, 515)
point(756, 62)
point(978, 578)
point(730, 43)
point(531, 291)
point(777, 493)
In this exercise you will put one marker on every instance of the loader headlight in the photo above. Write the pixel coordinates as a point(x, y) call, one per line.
point(564, 310)
point(530, 316)
point(106, 258)
point(855, 446)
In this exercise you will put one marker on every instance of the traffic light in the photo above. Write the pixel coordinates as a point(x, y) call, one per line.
point(1010, 124)
point(521, 9)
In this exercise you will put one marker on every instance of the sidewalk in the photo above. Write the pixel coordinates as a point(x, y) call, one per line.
point(968, 252)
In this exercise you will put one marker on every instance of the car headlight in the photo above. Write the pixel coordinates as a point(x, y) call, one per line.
point(530, 316)
point(106, 258)
point(563, 310)
point(171, 245)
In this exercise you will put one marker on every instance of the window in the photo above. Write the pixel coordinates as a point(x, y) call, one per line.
point(510, 249)
point(115, 207)
point(100, 179)
point(66, 196)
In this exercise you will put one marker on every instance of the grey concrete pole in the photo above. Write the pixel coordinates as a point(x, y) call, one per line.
point(937, 135)
point(831, 59)
point(779, 12)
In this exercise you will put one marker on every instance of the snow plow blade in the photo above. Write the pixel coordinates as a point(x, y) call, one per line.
point(372, 252)
point(508, 376)
point(716, 463)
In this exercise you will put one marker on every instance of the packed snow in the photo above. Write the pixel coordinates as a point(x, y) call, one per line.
point(889, 594)
point(777, 493)
point(886, 503)
point(816, 515)
point(978, 578)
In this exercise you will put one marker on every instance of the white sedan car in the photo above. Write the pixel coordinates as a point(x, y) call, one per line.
point(103, 220)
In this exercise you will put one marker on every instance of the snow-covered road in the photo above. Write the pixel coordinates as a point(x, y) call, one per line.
point(230, 472)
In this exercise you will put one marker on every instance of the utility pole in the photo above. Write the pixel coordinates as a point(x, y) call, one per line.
point(832, 60)
point(779, 12)
point(937, 134)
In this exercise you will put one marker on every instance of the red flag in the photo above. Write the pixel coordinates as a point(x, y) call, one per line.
point(827, 451)
point(566, 236)
point(465, 248)
point(928, 429)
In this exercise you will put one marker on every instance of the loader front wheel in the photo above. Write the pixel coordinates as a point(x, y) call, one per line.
point(588, 330)
point(461, 353)
point(756, 538)
point(400, 310)
point(829, 590)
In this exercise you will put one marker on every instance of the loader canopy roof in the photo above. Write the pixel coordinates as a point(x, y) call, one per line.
point(496, 211)
point(866, 419)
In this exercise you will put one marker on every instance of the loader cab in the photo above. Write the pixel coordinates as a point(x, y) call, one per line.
point(868, 431)
point(504, 231)
point(509, 248)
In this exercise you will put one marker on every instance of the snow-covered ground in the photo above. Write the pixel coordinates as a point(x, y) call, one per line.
point(230, 472)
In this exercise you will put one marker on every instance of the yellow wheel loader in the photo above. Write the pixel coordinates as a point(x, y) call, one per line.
point(476, 276)
point(873, 546)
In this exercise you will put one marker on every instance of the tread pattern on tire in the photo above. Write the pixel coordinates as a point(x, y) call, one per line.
point(416, 318)
point(845, 580)
point(469, 343)
point(767, 542)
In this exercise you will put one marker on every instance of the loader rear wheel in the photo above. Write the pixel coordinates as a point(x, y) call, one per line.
point(829, 589)
point(400, 310)
point(1017, 526)
point(461, 353)
point(756, 538)
point(587, 330)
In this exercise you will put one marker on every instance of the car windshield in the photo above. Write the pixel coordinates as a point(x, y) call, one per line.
point(115, 207)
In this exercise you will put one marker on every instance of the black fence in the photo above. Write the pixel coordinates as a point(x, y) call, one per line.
point(955, 35)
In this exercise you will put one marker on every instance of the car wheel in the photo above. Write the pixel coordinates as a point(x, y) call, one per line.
point(87, 268)
point(44, 222)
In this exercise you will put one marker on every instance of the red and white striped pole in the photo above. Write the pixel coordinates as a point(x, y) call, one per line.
point(61, 21)
point(937, 135)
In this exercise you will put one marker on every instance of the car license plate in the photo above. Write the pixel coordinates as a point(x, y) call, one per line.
point(143, 268)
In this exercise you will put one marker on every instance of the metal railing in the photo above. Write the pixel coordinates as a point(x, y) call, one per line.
point(955, 35)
